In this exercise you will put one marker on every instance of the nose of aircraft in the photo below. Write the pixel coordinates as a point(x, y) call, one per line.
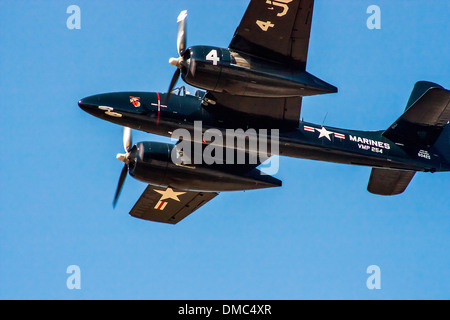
point(91, 104)
point(113, 104)
point(85, 106)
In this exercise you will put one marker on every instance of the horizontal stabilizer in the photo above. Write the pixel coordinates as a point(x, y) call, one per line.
point(387, 182)
point(169, 205)
point(424, 120)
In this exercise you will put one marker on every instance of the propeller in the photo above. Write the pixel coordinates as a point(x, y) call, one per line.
point(181, 48)
point(127, 145)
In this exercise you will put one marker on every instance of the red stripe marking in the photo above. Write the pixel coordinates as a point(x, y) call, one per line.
point(161, 204)
point(159, 108)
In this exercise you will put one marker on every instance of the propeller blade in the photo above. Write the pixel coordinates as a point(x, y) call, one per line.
point(182, 36)
point(127, 140)
point(123, 175)
point(174, 81)
point(181, 47)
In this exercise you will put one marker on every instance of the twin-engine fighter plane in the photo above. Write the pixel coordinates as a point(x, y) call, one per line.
point(258, 82)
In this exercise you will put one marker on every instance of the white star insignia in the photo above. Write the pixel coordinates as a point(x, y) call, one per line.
point(324, 133)
point(170, 194)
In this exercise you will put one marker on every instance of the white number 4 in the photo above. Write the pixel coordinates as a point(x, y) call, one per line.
point(212, 56)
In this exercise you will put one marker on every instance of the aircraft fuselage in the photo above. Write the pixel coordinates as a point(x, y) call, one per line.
point(147, 112)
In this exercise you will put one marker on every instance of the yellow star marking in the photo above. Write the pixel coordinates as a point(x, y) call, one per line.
point(170, 194)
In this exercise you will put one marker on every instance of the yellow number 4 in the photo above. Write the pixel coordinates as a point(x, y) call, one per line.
point(265, 25)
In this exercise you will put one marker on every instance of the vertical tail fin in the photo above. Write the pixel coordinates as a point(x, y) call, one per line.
point(419, 90)
point(426, 115)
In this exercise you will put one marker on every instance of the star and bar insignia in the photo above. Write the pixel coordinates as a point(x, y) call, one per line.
point(324, 133)
point(166, 195)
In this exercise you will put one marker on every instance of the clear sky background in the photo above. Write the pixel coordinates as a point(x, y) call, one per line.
point(311, 239)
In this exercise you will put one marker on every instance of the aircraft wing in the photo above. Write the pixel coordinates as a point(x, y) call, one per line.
point(169, 205)
point(423, 122)
point(387, 182)
point(271, 112)
point(276, 30)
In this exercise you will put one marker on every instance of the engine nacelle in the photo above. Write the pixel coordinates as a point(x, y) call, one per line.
point(224, 70)
point(151, 162)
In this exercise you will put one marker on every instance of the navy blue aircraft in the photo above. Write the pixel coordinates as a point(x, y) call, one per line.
point(258, 83)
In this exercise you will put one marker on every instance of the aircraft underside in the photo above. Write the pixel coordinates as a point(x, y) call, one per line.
point(250, 111)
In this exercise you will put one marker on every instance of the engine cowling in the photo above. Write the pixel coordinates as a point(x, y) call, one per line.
point(151, 162)
point(224, 70)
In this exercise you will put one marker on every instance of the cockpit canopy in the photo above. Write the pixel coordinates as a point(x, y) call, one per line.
point(182, 92)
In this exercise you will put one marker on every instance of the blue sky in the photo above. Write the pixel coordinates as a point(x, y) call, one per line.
point(312, 239)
